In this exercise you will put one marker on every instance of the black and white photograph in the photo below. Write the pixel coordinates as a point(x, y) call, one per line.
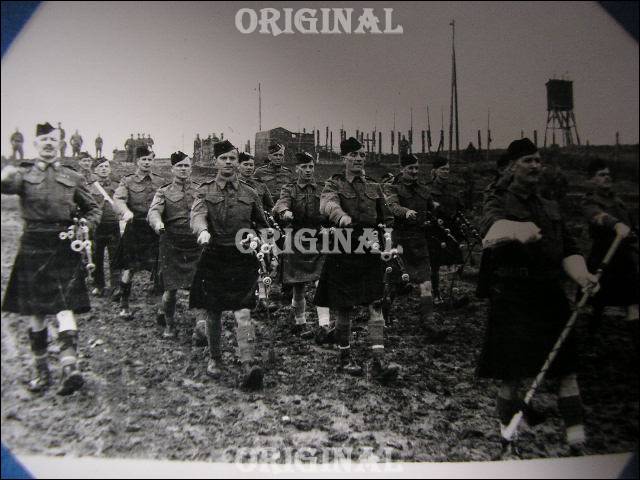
point(372, 239)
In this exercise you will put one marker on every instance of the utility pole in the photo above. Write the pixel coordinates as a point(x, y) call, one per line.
point(259, 108)
point(453, 110)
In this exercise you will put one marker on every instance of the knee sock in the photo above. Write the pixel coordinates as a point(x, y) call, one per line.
point(376, 330)
point(343, 328)
point(169, 300)
point(213, 331)
point(245, 335)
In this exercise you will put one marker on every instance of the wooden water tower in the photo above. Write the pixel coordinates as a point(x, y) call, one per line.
point(560, 114)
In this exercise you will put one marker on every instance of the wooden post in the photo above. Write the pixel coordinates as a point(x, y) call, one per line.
point(379, 146)
point(422, 135)
point(535, 137)
point(331, 141)
point(326, 138)
point(393, 140)
point(521, 134)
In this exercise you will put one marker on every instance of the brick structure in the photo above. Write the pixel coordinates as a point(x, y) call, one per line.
point(293, 142)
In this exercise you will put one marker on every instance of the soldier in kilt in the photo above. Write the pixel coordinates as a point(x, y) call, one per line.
point(299, 208)
point(246, 169)
point(448, 201)
point(85, 162)
point(48, 277)
point(138, 249)
point(274, 174)
point(411, 205)
point(179, 252)
point(354, 276)
point(226, 277)
point(527, 252)
point(107, 234)
point(607, 215)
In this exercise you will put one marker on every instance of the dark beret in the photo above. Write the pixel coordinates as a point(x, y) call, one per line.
point(244, 156)
point(304, 157)
point(221, 148)
point(439, 162)
point(43, 129)
point(99, 161)
point(275, 147)
point(83, 155)
point(595, 165)
point(349, 145)
point(408, 159)
point(142, 151)
point(502, 161)
point(177, 157)
point(520, 148)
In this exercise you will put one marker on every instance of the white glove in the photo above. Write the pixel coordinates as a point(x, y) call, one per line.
point(345, 221)
point(127, 216)
point(159, 228)
point(508, 231)
point(622, 230)
point(287, 215)
point(576, 268)
point(411, 214)
point(204, 237)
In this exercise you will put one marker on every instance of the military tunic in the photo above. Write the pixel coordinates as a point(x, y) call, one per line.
point(274, 177)
point(620, 280)
point(263, 192)
point(524, 282)
point(179, 251)
point(138, 249)
point(403, 194)
point(303, 200)
point(226, 278)
point(447, 203)
point(47, 276)
point(350, 279)
point(107, 235)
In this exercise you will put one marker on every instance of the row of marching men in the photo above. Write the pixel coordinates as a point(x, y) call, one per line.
point(526, 248)
point(193, 232)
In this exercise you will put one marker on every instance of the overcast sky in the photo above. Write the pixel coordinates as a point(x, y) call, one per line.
point(174, 69)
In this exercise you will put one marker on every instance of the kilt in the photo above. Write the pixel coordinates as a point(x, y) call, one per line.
point(438, 256)
point(301, 267)
point(415, 255)
point(349, 279)
point(619, 284)
point(525, 320)
point(177, 260)
point(47, 276)
point(225, 279)
point(138, 248)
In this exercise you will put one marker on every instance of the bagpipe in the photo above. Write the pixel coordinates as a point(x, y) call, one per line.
point(78, 233)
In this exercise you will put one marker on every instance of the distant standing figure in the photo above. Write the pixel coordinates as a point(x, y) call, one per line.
point(129, 146)
point(76, 144)
point(98, 146)
point(17, 140)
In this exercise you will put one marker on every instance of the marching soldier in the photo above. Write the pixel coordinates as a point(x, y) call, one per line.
point(138, 249)
point(274, 174)
point(607, 215)
point(17, 141)
point(447, 202)
point(76, 144)
point(99, 144)
point(528, 251)
point(299, 207)
point(85, 162)
point(107, 234)
point(179, 252)
point(226, 278)
point(246, 169)
point(47, 276)
point(355, 276)
point(411, 205)
point(129, 146)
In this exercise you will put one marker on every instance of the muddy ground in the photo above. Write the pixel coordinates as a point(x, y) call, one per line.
point(146, 397)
